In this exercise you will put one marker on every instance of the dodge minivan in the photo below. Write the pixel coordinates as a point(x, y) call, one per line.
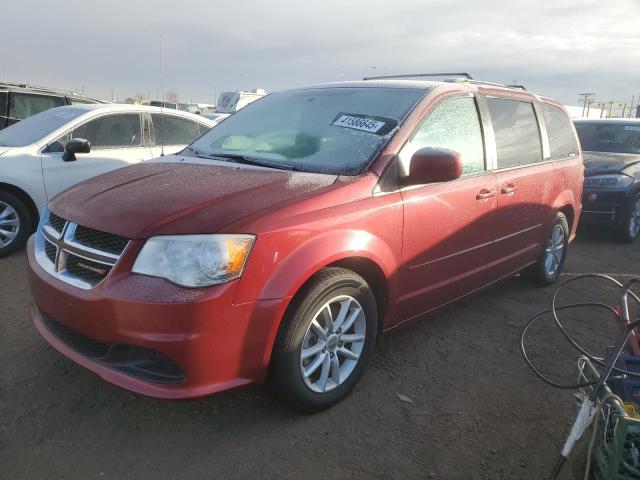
point(281, 243)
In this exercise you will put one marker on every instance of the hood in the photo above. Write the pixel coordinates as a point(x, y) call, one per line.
point(172, 197)
point(602, 163)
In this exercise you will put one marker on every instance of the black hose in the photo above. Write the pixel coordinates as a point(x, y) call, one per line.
point(554, 311)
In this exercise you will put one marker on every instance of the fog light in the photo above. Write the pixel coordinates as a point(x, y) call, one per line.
point(593, 197)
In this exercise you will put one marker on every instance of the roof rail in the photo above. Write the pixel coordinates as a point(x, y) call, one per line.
point(40, 88)
point(452, 77)
point(493, 84)
point(456, 74)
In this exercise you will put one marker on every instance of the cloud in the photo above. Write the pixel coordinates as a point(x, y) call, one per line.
point(558, 48)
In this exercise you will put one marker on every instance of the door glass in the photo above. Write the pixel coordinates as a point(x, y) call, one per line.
point(3, 104)
point(24, 105)
point(516, 131)
point(455, 125)
point(562, 140)
point(171, 130)
point(111, 131)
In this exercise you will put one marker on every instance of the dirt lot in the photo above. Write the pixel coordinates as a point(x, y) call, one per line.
point(476, 411)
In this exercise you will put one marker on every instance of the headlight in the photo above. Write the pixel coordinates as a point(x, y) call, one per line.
point(194, 260)
point(608, 181)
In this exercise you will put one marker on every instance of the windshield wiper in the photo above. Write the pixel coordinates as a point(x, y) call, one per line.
point(248, 160)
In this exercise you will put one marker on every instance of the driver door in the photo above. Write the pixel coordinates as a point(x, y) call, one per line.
point(447, 234)
point(116, 141)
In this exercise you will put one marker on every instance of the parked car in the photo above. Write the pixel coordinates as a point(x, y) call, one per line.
point(19, 101)
point(282, 242)
point(215, 117)
point(611, 195)
point(230, 102)
point(37, 155)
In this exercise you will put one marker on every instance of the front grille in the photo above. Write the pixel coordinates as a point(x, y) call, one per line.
point(56, 222)
point(76, 254)
point(91, 272)
point(138, 362)
point(50, 251)
point(100, 240)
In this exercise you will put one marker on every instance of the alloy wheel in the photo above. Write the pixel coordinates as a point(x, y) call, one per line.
point(554, 250)
point(333, 344)
point(9, 224)
point(634, 218)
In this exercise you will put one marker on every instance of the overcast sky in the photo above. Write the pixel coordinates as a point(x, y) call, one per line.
point(555, 47)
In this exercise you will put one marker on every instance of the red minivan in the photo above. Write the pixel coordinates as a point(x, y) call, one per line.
point(282, 242)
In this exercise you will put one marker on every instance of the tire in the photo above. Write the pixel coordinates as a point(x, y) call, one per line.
point(551, 260)
point(16, 223)
point(326, 382)
point(628, 228)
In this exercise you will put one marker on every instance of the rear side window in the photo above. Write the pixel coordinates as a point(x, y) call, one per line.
point(562, 141)
point(24, 105)
point(516, 130)
point(171, 130)
point(3, 105)
point(453, 124)
point(111, 131)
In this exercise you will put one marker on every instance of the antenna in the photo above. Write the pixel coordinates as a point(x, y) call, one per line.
point(161, 98)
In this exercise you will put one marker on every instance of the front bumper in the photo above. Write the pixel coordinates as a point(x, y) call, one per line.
point(154, 338)
point(604, 206)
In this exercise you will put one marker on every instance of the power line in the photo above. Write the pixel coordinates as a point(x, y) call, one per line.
point(587, 96)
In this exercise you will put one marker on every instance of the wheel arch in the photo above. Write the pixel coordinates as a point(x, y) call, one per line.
point(375, 265)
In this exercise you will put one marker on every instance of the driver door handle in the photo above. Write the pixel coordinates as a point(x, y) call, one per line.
point(484, 194)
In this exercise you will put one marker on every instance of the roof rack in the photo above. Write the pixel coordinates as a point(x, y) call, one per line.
point(457, 77)
point(40, 88)
point(456, 74)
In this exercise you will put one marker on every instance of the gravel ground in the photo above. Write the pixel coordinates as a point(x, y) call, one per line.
point(445, 397)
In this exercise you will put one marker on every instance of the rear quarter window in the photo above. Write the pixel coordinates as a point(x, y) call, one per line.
point(562, 140)
point(516, 130)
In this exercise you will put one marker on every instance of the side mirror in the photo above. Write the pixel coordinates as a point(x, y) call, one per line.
point(73, 146)
point(430, 165)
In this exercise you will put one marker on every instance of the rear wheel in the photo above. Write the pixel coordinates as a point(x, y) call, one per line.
point(554, 252)
point(628, 228)
point(325, 341)
point(15, 223)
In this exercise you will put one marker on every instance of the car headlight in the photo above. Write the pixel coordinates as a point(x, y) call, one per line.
point(194, 260)
point(608, 181)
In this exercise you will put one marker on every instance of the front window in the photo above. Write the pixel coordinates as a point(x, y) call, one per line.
point(36, 127)
point(609, 137)
point(120, 130)
point(327, 130)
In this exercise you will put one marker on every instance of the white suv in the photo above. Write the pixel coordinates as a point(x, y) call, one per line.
point(38, 155)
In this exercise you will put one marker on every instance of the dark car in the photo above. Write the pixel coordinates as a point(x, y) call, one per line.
point(611, 194)
point(19, 101)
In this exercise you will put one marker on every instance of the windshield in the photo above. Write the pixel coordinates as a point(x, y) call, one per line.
point(609, 137)
point(327, 130)
point(33, 128)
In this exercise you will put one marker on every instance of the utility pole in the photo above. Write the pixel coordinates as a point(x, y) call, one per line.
point(587, 96)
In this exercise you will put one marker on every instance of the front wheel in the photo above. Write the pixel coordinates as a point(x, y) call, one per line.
point(15, 223)
point(325, 341)
point(628, 228)
point(554, 252)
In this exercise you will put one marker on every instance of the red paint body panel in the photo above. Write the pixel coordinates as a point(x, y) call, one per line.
point(432, 244)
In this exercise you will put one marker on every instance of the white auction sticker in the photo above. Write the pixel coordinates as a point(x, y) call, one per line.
point(634, 128)
point(357, 123)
